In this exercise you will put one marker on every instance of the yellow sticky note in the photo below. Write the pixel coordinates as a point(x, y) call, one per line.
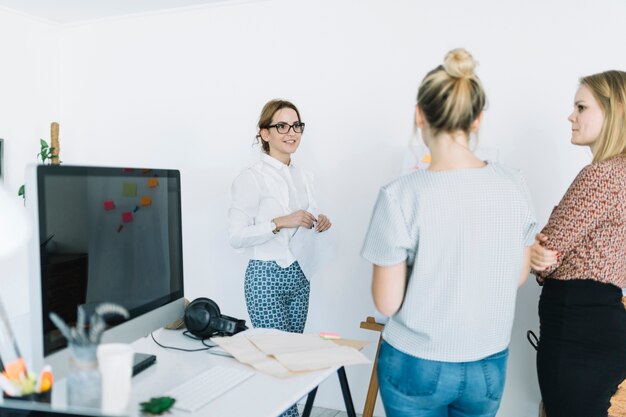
point(129, 189)
point(153, 182)
point(146, 200)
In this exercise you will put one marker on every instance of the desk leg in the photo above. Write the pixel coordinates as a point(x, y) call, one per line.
point(345, 389)
point(308, 406)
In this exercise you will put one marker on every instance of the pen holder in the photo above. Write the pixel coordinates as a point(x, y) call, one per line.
point(42, 397)
point(84, 381)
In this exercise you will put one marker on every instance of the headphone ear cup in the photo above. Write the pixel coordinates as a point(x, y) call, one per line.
point(198, 317)
point(203, 319)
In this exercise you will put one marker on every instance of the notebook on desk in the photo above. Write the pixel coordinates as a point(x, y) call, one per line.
point(16, 408)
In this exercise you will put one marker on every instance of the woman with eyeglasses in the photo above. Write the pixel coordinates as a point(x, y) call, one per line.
point(450, 246)
point(270, 201)
point(580, 259)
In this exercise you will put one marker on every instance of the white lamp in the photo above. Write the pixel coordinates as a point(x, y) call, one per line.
point(14, 232)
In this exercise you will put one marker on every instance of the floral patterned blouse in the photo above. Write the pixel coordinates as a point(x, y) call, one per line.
point(588, 227)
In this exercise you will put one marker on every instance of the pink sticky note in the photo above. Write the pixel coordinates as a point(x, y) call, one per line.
point(109, 205)
point(153, 182)
point(146, 200)
point(330, 336)
point(127, 217)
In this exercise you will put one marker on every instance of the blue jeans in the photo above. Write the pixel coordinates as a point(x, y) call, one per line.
point(414, 387)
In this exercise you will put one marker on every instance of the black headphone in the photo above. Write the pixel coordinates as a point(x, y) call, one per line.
point(203, 319)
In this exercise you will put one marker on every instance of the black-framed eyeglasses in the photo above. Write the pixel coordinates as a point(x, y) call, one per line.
point(282, 128)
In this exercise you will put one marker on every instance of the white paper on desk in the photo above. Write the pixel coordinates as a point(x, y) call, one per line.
point(245, 352)
point(306, 352)
point(312, 249)
point(318, 359)
point(285, 342)
point(301, 352)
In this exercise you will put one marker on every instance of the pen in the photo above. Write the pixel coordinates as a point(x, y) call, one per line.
point(7, 386)
point(15, 370)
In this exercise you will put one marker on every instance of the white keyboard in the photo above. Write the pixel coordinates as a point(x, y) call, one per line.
point(206, 386)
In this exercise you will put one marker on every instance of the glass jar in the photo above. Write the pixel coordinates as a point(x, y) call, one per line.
point(84, 381)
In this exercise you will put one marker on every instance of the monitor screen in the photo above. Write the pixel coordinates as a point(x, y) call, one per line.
point(104, 235)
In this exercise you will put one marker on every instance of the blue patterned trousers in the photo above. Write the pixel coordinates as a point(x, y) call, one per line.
point(277, 298)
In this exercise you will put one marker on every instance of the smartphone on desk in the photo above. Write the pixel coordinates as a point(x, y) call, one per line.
point(141, 361)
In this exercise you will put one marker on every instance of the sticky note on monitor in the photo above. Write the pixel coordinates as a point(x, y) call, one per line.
point(109, 205)
point(129, 189)
point(153, 182)
point(127, 217)
point(146, 200)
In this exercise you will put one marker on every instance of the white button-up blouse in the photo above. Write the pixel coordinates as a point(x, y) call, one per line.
point(262, 192)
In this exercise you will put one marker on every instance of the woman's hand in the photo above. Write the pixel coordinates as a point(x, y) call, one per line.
point(323, 223)
point(540, 257)
point(300, 218)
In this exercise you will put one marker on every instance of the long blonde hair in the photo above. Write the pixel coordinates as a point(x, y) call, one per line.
point(609, 89)
point(451, 96)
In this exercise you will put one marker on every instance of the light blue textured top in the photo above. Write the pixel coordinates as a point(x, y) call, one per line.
point(462, 233)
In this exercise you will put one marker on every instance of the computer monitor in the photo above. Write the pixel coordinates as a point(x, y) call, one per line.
point(102, 234)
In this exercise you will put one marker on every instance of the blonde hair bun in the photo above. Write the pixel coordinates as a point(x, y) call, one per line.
point(459, 63)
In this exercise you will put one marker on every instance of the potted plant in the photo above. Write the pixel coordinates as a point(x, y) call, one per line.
point(49, 154)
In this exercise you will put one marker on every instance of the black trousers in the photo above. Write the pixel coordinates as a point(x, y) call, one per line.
point(581, 357)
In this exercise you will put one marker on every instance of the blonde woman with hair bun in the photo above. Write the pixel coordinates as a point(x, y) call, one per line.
point(580, 260)
point(449, 247)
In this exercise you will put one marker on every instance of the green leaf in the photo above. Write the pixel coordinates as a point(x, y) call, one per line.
point(157, 405)
point(22, 191)
point(43, 143)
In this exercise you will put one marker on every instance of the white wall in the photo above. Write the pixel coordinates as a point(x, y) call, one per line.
point(29, 101)
point(183, 90)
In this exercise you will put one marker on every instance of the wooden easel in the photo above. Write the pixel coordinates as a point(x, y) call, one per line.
point(372, 391)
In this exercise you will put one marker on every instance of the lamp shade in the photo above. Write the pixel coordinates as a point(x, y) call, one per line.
point(14, 224)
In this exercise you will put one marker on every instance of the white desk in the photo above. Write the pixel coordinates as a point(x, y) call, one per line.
point(259, 396)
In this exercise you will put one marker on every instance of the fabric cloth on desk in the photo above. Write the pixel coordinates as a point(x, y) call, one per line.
point(284, 354)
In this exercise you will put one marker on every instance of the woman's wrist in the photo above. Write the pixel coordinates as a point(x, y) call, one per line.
point(275, 226)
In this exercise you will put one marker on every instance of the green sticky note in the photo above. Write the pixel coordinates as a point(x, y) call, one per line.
point(130, 189)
